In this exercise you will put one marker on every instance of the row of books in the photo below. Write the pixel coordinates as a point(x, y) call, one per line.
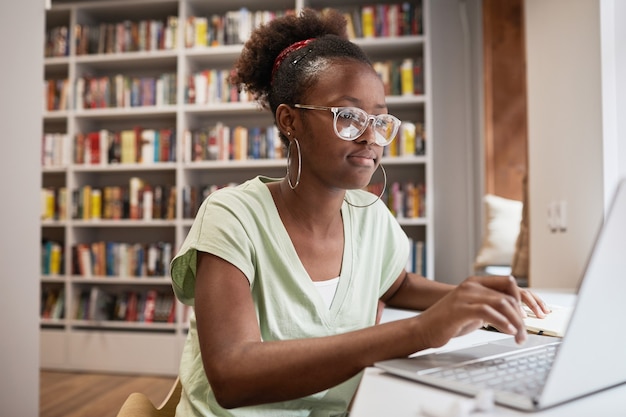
point(121, 259)
point(52, 259)
point(53, 203)
point(56, 94)
point(218, 142)
point(55, 150)
point(213, 86)
point(417, 257)
point(232, 28)
point(222, 143)
point(127, 146)
point(405, 200)
point(119, 91)
point(57, 42)
point(384, 20)
point(52, 305)
point(126, 36)
point(410, 140)
point(137, 201)
point(401, 77)
point(148, 306)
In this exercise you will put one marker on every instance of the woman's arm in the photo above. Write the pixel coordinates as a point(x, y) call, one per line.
point(244, 370)
point(412, 291)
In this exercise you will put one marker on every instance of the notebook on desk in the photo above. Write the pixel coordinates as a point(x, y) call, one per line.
point(588, 358)
point(554, 324)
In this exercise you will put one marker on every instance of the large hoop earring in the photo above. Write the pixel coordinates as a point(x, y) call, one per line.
point(292, 186)
point(379, 196)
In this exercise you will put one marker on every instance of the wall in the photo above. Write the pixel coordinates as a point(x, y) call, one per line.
point(613, 39)
point(565, 126)
point(21, 104)
point(455, 27)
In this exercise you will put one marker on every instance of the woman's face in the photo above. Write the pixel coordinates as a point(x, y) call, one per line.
point(326, 158)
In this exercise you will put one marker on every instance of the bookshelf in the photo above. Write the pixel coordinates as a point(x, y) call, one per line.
point(94, 97)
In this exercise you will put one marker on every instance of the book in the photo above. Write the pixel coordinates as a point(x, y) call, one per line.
point(148, 146)
point(150, 306)
point(554, 324)
point(128, 153)
point(368, 21)
point(134, 192)
point(96, 204)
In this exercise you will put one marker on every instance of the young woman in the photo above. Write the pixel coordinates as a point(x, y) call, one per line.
point(287, 276)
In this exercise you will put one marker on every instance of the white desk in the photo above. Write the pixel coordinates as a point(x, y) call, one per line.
point(383, 395)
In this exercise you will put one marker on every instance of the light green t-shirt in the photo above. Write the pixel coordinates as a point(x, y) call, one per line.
point(242, 226)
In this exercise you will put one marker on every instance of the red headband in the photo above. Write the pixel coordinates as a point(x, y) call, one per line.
point(291, 48)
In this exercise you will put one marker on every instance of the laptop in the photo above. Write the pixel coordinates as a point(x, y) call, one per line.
point(587, 359)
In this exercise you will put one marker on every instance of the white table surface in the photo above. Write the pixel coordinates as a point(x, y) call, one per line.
point(381, 394)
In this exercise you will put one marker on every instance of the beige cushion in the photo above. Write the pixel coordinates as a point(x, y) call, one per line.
point(502, 227)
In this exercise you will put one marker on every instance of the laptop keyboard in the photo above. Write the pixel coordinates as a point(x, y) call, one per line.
point(522, 373)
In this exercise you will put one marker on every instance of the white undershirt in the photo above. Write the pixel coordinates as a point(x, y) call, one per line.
point(327, 289)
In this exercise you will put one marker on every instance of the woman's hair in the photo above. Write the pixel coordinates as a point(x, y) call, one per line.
point(297, 70)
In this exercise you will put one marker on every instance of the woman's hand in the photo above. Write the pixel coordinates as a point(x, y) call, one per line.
point(477, 301)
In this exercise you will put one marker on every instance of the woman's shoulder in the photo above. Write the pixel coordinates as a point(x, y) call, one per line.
point(251, 198)
point(250, 190)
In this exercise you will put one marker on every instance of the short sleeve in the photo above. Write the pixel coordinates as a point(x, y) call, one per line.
point(218, 230)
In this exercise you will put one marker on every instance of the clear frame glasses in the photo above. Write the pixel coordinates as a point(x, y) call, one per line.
point(351, 122)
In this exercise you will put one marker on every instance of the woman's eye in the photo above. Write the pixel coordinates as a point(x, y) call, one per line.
point(349, 115)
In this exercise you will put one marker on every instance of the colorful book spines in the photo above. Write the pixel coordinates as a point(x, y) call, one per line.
point(410, 140)
point(129, 146)
point(52, 303)
point(57, 94)
point(232, 28)
point(144, 306)
point(137, 201)
point(211, 86)
point(223, 143)
point(123, 91)
point(417, 257)
point(384, 20)
point(53, 203)
point(126, 36)
point(119, 259)
point(52, 258)
point(401, 77)
point(406, 200)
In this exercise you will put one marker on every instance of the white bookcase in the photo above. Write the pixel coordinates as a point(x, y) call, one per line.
point(73, 343)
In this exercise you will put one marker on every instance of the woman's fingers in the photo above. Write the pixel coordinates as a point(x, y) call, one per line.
point(503, 284)
point(502, 312)
point(494, 300)
point(478, 300)
point(535, 303)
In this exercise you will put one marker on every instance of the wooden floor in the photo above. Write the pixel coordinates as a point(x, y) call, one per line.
point(66, 394)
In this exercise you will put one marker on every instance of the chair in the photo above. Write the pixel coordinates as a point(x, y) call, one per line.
point(138, 404)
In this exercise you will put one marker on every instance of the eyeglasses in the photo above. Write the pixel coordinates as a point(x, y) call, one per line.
point(351, 122)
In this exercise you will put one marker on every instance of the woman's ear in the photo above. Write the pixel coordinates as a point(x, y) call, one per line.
point(285, 119)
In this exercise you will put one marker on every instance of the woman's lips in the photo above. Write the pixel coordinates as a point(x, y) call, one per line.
point(364, 158)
